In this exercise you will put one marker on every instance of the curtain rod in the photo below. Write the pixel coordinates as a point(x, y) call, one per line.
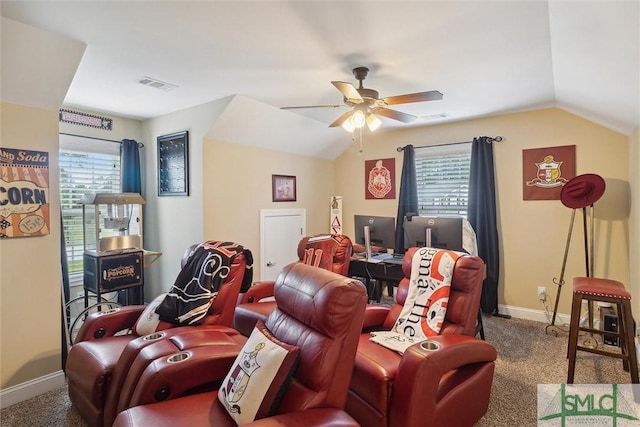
point(489, 141)
point(140, 144)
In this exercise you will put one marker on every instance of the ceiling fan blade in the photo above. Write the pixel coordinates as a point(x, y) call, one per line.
point(432, 95)
point(393, 114)
point(349, 92)
point(340, 120)
point(313, 106)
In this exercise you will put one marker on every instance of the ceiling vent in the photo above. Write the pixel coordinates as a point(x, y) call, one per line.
point(436, 116)
point(155, 83)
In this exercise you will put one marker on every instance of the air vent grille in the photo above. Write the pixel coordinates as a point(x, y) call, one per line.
point(436, 116)
point(155, 83)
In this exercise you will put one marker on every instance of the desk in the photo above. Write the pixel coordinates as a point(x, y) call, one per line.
point(378, 271)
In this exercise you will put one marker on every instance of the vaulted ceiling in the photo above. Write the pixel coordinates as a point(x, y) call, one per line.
point(486, 57)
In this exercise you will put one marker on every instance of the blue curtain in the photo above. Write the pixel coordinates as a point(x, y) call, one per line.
point(408, 198)
point(482, 217)
point(131, 181)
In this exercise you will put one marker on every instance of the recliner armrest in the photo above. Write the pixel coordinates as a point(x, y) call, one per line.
point(108, 323)
point(204, 368)
point(258, 291)
point(312, 417)
point(374, 316)
point(420, 373)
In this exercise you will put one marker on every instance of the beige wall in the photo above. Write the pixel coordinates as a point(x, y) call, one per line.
point(634, 223)
point(30, 278)
point(172, 223)
point(237, 185)
point(532, 233)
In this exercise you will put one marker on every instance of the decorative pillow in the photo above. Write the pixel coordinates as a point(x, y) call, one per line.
point(259, 376)
point(149, 321)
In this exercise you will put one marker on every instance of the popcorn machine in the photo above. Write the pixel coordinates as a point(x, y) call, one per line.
point(114, 258)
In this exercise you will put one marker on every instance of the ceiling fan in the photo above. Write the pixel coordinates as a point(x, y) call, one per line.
point(366, 104)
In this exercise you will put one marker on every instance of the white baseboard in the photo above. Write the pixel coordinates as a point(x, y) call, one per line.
point(535, 315)
point(18, 393)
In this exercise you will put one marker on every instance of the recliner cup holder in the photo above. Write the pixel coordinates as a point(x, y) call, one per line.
point(153, 336)
point(178, 357)
point(430, 345)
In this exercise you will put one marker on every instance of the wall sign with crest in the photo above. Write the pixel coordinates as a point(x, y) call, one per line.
point(546, 170)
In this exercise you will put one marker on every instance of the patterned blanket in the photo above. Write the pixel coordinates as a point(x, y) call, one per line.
point(197, 284)
point(425, 307)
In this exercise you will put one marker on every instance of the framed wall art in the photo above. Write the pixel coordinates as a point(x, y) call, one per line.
point(546, 170)
point(173, 164)
point(283, 188)
point(379, 178)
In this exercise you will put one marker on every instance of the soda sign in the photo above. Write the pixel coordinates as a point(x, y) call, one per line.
point(24, 193)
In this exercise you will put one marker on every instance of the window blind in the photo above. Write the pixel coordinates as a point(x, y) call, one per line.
point(86, 166)
point(442, 175)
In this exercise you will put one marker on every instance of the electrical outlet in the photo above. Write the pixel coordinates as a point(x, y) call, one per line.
point(542, 293)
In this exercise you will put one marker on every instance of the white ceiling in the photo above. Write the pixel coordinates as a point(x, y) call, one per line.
point(487, 57)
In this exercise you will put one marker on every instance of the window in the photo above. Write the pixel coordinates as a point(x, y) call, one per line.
point(86, 166)
point(442, 175)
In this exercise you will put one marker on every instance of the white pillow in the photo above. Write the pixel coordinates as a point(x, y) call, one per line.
point(149, 320)
point(259, 376)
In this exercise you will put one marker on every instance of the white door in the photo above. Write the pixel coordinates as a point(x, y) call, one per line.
point(280, 232)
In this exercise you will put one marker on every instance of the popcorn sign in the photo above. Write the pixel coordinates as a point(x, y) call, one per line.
point(24, 193)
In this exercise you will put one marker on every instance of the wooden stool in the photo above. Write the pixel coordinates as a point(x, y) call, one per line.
point(593, 289)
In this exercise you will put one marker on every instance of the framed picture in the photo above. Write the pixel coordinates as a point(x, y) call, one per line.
point(173, 164)
point(283, 188)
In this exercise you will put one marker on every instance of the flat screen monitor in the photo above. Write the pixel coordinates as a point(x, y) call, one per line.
point(382, 230)
point(446, 232)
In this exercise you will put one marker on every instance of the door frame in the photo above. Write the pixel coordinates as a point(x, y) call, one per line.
point(266, 213)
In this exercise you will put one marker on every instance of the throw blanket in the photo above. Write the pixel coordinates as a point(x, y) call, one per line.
point(197, 285)
point(425, 307)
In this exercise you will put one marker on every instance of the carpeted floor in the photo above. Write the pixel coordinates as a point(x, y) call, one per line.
point(526, 357)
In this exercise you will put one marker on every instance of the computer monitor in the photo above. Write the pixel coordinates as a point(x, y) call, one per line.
point(445, 232)
point(382, 230)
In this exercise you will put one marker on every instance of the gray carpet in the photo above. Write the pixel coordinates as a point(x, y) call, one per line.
point(526, 357)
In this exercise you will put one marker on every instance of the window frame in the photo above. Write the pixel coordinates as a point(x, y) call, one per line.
point(459, 151)
point(103, 153)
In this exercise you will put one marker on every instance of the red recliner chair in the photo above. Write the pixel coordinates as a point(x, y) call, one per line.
point(318, 312)
point(107, 343)
point(328, 251)
point(449, 386)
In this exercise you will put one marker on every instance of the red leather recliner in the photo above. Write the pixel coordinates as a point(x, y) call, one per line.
point(329, 251)
point(446, 387)
point(99, 360)
point(317, 310)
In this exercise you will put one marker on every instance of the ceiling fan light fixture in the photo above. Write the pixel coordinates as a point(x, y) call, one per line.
point(348, 125)
point(373, 122)
point(357, 119)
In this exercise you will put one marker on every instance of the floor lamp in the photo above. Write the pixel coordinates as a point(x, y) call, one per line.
point(580, 192)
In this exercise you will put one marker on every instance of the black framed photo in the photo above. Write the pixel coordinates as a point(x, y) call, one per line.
point(173, 164)
point(283, 188)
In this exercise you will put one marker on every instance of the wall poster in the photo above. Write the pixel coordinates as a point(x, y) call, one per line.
point(24, 193)
point(379, 178)
point(546, 170)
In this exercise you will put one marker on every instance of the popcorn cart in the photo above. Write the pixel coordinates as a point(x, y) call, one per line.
point(114, 258)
